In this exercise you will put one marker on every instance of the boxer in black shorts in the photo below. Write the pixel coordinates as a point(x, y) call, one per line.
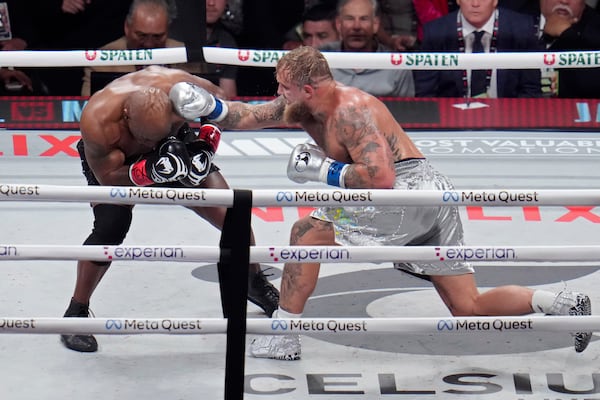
point(130, 135)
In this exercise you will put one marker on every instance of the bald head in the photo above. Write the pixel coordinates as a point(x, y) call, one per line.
point(148, 113)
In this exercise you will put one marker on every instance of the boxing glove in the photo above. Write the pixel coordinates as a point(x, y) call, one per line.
point(191, 102)
point(308, 163)
point(169, 162)
point(201, 153)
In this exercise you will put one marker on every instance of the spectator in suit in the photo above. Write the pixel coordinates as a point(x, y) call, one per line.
point(357, 22)
point(500, 30)
point(571, 25)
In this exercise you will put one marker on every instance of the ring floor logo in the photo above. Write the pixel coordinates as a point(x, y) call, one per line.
point(387, 292)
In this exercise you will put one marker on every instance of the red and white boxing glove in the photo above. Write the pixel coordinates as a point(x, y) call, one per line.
point(201, 153)
point(169, 162)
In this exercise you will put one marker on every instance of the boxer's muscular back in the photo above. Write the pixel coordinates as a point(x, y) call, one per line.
point(104, 130)
point(106, 106)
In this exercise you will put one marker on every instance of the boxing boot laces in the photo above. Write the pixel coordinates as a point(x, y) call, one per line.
point(262, 293)
point(82, 343)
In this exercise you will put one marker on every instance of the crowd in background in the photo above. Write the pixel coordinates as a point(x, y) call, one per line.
point(330, 25)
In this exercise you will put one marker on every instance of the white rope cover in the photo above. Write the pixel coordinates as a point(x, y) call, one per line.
point(354, 326)
point(295, 197)
point(283, 254)
point(92, 58)
point(416, 60)
point(268, 58)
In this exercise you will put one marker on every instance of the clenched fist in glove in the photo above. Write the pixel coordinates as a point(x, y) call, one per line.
point(202, 152)
point(309, 163)
point(169, 162)
point(191, 102)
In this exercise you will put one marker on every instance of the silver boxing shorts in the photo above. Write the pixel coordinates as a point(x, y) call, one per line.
point(404, 226)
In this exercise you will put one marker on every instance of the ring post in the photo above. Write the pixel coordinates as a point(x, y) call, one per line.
point(234, 259)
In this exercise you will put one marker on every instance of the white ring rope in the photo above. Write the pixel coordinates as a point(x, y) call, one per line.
point(416, 60)
point(325, 254)
point(354, 326)
point(295, 197)
point(268, 58)
point(92, 58)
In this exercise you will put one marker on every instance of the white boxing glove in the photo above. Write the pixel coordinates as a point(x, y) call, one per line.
point(191, 102)
point(309, 163)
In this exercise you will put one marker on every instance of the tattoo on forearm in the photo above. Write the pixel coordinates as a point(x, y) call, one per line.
point(269, 112)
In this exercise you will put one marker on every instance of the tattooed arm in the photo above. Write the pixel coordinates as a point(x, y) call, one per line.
point(254, 116)
point(357, 131)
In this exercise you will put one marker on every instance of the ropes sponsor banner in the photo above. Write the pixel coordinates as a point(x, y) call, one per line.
point(412, 61)
point(303, 254)
point(86, 58)
point(412, 113)
point(342, 326)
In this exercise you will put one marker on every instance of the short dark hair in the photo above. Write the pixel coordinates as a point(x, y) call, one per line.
point(319, 12)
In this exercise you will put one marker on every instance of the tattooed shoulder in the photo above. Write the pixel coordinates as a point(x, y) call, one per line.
point(354, 122)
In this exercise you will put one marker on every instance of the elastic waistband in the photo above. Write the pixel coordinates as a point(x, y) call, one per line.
point(407, 160)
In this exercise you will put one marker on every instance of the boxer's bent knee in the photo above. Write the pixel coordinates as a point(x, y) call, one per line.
point(111, 224)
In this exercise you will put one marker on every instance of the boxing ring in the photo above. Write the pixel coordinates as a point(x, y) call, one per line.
point(369, 331)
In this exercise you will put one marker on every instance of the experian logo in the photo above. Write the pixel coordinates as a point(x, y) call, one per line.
point(476, 254)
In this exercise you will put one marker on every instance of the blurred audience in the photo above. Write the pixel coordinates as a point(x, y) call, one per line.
point(522, 6)
point(146, 26)
point(497, 30)
point(398, 24)
point(14, 30)
point(426, 11)
point(357, 22)
point(571, 25)
point(266, 23)
point(233, 18)
point(59, 25)
point(217, 35)
point(316, 28)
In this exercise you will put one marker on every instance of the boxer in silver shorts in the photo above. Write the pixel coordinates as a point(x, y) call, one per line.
point(360, 145)
point(403, 226)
